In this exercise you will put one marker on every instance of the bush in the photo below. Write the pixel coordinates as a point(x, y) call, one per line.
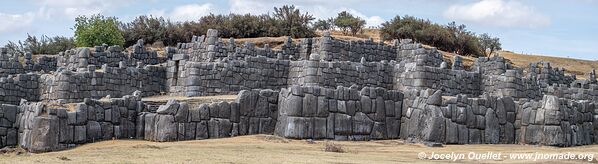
point(150, 29)
point(331, 147)
point(349, 23)
point(285, 21)
point(97, 30)
point(292, 22)
point(452, 37)
point(324, 24)
point(489, 44)
point(43, 45)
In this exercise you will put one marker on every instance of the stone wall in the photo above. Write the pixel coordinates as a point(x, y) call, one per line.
point(9, 125)
point(331, 49)
point(113, 56)
point(253, 112)
point(232, 76)
point(13, 88)
point(70, 86)
point(332, 74)
point(409, 52)
point(44, 64)
point(452, 82)
point(9, 65)
point(46, 127)
point(459, 120)
point(558, 122)
point(210, 47)
point(339, 114)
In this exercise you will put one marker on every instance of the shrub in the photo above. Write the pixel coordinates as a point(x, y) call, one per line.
point(331, 147)
point(324, 24)
point(489, 44)
point(97, 30)
point(41, 45)
point(292, 22)
point(452, 37)
point(150, 29)
point(349, 23)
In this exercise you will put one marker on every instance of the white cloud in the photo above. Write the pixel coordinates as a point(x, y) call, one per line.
point(251, 6)
point(502, 13)
point(319, 9)
point(50, 9)
point(369, 21)
point(189, 12)
point(15, 22)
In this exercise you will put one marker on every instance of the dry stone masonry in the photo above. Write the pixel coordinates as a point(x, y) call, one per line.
point(307, 88)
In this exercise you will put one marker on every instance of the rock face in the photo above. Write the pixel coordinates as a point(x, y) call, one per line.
point(254, 112)
point(340, 114)
point(314, 88)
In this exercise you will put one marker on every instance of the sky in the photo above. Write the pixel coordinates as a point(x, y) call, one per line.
point(565, 28)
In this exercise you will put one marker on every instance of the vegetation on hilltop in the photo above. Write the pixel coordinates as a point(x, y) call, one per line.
point(41, 45)
point(451, 37)
point(97, 30)
point(283, 21)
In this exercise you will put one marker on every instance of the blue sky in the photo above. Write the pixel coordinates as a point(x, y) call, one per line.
point(567, 28)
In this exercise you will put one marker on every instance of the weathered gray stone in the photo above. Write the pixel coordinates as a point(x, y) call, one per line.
point(297, 127)
point(201, 131)
point(342, 124)
point(94, 131)
point(310, 105)
point(44, 134)
point(80, 134)
point(492, 131)
point(322, 107)
point(294, 106)
point(169, 108)
point(166, 128)
point(366, 104)
point(553, 136)
point(362, 124)
point(393, 125)
point(434, 129)
point(204, 112)
point(182, 114)
point(435, 99)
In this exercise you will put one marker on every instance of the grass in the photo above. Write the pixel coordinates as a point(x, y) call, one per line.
point(268, 149)
point(576, 66)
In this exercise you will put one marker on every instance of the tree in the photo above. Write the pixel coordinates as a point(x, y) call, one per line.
point(357, 25)
point(343, 21)
point(489, 44)
point(324, 24)
point(150, 29)
point(97, 30)
point(347, 22)
point(451, 37)
point(292, 22)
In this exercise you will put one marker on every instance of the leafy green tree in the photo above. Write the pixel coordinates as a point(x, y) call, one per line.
point(357, 25)
point(97, 30)
point(489, 44)
point(345, 21)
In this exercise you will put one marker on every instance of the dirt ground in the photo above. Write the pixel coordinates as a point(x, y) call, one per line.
point(272, 149)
